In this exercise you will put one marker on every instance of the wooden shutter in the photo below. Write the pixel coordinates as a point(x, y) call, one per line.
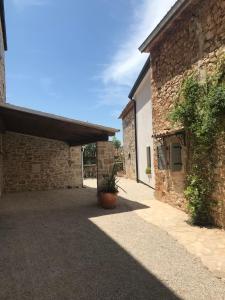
point(176, 157)
point(161, 152)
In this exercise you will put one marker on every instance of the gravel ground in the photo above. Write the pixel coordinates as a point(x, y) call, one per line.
point(60, 245)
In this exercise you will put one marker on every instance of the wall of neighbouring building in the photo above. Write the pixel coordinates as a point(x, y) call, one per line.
point(144, 129)
point(32, 163)
point(2, 67)
point(195, 42)
point(129, 144)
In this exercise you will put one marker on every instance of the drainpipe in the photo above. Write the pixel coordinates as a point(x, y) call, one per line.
point(135, 130)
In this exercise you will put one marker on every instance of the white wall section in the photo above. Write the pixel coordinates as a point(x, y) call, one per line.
point(144, 129)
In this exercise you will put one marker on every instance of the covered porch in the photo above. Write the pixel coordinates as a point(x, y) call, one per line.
point(41, 151)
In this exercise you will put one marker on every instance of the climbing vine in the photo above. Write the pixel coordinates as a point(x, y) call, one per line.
point(200, 109)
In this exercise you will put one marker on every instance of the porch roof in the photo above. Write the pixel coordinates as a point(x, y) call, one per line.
point(32, 122)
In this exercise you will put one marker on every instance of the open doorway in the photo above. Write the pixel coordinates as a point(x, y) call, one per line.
point(89, 164)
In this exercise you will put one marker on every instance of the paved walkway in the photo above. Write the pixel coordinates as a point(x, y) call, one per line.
point(207, 244)
point(60, 245)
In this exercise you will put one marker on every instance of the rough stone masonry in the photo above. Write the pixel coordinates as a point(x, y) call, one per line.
point(129, 143)
point(32, 163)
point(195, 41)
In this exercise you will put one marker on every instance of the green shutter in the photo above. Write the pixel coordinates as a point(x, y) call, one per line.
point(176, 157)
point(148, 149)
point(161, 152)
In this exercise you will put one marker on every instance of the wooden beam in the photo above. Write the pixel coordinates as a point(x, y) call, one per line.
point(88, 140)
point(2, 126)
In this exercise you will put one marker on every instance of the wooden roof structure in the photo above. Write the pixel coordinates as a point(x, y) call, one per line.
point(36, 123)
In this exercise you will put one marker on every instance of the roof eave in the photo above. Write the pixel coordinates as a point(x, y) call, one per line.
point(141, 76)
point(108, 130)
point(174, 12)
point(127, 109)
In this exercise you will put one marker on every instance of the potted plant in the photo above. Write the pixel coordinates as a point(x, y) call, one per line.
point(148, 171)
point(107, 193)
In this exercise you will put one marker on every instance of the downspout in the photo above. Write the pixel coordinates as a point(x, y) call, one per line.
point(135, 134)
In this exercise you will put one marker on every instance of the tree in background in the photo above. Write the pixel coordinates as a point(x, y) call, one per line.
point(89, 154)
point(116, 143)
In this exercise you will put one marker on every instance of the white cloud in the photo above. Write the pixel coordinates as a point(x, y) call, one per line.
point(120, 73)
point(111, 95)
point(26, 3)
point(127, 60)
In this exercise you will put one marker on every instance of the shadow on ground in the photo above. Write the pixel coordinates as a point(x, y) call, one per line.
point(51, 250)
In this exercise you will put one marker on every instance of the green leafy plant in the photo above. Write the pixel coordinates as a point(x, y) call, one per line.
point(116, 143)
point(200, 109)
point(148, 171)
point(110, 183)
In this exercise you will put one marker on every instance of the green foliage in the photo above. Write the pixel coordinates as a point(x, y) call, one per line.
point(109, 183)
point(148, 171)
point(116, 143)
point(90, 154)
point(200, 109)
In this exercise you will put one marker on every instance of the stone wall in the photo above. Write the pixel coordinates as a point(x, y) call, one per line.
point(105, 160)
point(129, 144)
point(195, 42)
point(32, 163)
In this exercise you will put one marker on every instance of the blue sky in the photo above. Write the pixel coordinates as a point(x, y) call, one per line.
point(78, 59)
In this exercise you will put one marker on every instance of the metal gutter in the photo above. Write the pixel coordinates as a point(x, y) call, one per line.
point(2, 14)
point(141, 76)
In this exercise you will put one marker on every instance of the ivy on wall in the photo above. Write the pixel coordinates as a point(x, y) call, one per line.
point(200, 109)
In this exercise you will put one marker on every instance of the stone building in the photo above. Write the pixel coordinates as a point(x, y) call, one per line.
point(40, 151)
point(129, 146)
point(190, 37)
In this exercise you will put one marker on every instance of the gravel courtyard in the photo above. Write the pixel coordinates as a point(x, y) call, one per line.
point(60, 245)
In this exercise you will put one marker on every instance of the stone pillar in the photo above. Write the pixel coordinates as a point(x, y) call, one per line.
point(105, 160)
point(76, 166)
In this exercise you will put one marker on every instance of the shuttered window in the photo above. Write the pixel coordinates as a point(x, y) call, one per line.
point(161, 153)
point(148, 151)
point(176, 157)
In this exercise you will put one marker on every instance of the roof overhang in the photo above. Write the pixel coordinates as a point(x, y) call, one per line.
point(2, 15)
point(31, 122)
point(140, 78)
point(168, 133)
point(173, 15)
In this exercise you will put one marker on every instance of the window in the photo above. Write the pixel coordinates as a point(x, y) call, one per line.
point(176, 157)
point(161, 153)
point(148, 149)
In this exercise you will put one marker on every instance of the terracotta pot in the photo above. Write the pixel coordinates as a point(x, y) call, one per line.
point(107, 200)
